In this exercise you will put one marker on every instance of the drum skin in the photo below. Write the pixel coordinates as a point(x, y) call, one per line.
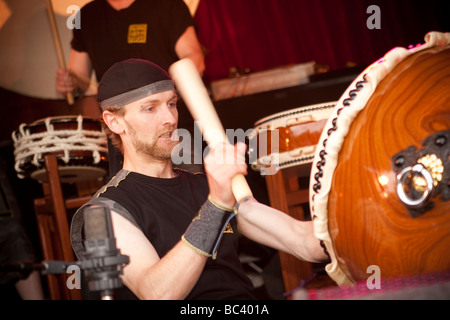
point(367, 222)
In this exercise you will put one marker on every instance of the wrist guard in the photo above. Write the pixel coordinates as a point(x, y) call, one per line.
point(206, 229)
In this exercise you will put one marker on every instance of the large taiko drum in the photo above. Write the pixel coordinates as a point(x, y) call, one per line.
point(79, 144)
point(380, 179)
point(287, 138)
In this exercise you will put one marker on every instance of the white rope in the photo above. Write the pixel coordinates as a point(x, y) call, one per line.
point(36, 145)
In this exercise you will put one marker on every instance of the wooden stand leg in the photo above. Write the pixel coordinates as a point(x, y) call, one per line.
point(45, 229)
point(54, 231)
point(279, 188)
point(57, 199)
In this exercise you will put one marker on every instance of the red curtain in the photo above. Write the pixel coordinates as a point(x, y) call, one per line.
point(262, 34)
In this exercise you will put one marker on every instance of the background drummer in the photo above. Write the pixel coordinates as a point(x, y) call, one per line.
point(155, 213)
point(97, 45)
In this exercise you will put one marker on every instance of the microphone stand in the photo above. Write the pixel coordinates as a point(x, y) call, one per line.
point(102, 264)
point(102, 272)
point(45, 267)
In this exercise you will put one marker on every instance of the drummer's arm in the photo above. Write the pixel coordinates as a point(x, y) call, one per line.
point(77, 75)
point(280, 231)
point(147, 275)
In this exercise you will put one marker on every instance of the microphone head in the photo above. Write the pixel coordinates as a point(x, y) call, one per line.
point(103, 262)
point(95, 223)
point(98, 232)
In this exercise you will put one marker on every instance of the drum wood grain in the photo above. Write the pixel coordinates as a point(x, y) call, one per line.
point(289, 138)
point(368, 224)
point(295, 136)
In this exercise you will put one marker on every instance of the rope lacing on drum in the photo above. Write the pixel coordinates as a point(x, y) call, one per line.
point(36, 145)
point(346, 103)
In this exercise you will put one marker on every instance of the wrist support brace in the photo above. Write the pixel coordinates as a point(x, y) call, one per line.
point(206, 229)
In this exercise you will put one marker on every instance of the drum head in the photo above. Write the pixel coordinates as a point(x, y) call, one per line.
point(395, 115)
point(71, 174)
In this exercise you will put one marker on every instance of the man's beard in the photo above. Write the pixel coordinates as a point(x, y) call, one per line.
point(154, 150)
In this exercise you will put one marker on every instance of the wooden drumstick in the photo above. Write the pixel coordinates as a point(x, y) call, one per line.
point(194, 93)
point(59, 50)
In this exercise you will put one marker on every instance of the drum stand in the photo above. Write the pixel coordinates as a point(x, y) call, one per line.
point(287, 193)
point(53, 227)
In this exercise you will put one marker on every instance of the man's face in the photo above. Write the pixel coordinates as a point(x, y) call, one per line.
point(150, 123)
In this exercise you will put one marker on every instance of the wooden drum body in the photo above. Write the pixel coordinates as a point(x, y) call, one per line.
point(78, 142)
point(380, 180)
point(288, 138)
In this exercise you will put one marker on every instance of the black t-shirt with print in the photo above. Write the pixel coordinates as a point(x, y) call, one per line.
point(163, 209)
point(147, 29)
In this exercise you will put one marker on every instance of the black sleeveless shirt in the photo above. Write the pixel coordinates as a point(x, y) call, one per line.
point(163, 209)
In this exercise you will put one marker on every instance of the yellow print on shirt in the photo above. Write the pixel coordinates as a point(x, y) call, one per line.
point(137, 33)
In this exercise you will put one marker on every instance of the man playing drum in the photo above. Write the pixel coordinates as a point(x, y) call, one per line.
point(179, 229)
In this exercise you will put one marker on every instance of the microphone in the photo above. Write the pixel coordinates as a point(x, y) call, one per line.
point(102, 261)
